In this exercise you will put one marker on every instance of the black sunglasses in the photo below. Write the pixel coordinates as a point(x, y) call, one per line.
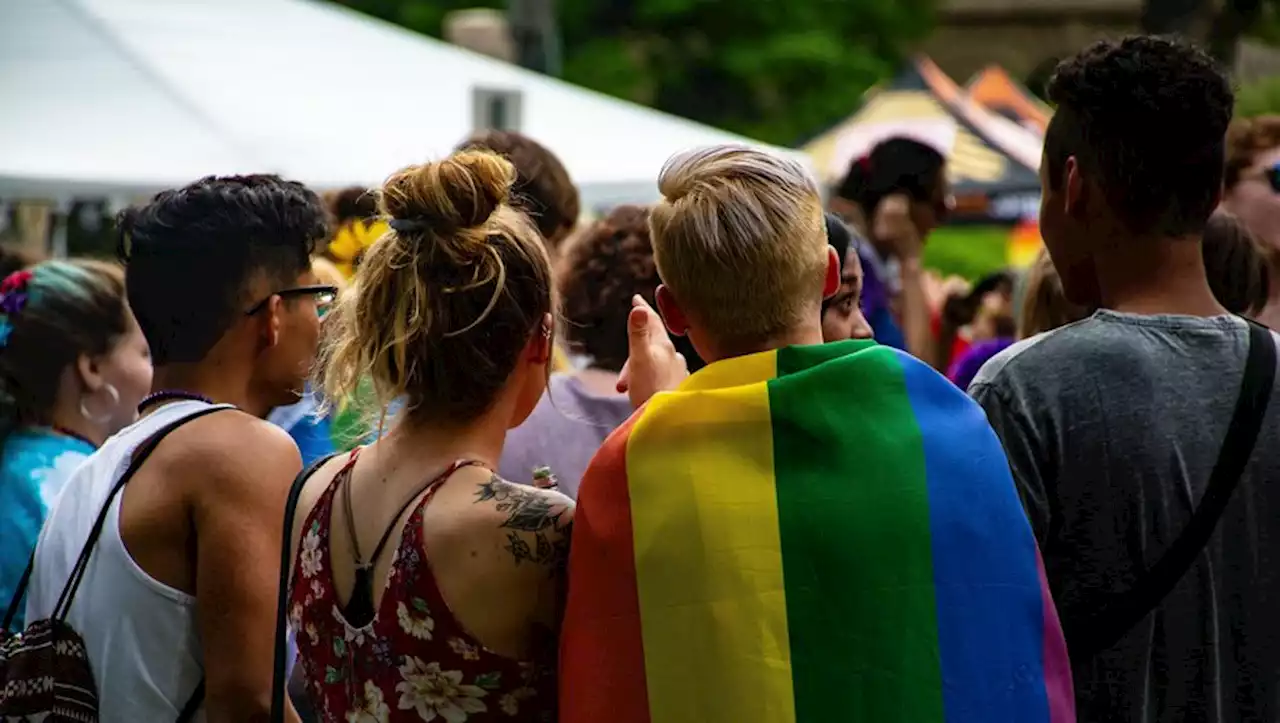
point(324, 296)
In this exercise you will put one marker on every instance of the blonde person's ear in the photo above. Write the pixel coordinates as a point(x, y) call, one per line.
point(669, 309)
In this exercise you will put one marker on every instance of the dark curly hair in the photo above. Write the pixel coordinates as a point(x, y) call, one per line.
point(543, 187)
point(190, 254)
point(1145, 118)
point(610, 262)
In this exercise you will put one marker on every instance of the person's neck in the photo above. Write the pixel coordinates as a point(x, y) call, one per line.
point(432, 445)
point(68, 419)
point(598, 381)
point(1156, 276)
point(804, 335)
point(218, 382)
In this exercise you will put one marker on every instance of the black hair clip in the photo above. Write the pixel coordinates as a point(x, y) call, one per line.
point(409, 225)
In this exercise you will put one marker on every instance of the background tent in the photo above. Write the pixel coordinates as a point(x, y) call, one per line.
point(995, 90)
point(993, 162)
point(112, 98)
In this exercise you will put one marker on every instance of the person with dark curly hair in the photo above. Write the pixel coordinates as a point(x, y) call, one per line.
point(1114, 425)
point(602, 270)
point(178, 599)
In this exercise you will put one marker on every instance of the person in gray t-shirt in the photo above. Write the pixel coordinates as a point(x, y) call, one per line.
point(1112, 424)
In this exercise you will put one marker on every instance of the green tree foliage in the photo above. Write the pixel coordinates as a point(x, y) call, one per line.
point(776, 70)
point(1259, 98)
point(1223, 22)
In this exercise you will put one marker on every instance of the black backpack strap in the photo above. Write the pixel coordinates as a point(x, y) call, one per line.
point(1088, 635)
point(282, 596)
point(18, 593)
point(193, 704)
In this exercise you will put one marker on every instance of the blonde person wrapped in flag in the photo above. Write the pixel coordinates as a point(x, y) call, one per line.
point(799, 532)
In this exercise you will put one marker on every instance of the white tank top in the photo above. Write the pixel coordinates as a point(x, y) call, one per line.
point(140, 634)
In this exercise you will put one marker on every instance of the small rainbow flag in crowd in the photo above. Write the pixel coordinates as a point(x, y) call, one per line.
point(1024, 244)
point(815, 535)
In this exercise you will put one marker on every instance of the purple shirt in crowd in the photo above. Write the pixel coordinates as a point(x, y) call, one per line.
point(964, 369)
point(563, 433)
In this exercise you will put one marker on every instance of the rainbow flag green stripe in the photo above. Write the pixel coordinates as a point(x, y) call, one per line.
point(813, 534)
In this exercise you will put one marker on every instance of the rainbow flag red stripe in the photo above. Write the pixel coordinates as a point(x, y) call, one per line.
point(814, 534)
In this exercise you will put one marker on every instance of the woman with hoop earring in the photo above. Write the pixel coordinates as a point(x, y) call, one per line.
point(73, 367)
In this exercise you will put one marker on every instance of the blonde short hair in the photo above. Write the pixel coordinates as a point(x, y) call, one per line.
point(739, 239)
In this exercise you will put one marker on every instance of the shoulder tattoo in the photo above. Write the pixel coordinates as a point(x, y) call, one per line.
point(536, 530)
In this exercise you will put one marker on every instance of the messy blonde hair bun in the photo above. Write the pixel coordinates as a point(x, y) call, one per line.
point(444, 302)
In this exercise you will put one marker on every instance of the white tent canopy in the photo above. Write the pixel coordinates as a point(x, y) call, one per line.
point(121, 97)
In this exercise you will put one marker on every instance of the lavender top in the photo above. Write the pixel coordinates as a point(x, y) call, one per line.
point(563, 436)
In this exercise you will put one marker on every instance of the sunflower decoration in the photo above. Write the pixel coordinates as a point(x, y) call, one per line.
point(355, 216)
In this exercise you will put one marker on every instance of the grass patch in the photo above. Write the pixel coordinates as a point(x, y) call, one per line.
point(968, 251)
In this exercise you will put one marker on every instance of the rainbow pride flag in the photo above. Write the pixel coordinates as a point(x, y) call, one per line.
point(816, 535)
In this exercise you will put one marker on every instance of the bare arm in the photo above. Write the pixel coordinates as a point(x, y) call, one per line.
point(893, 225)
point(239, 520)
point(537, 525)
point(916, 326)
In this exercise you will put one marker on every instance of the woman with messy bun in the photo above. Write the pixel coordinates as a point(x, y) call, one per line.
point(73, 367)
point(424, 584)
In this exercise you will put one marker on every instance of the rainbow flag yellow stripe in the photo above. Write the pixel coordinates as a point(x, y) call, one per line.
point(812, 534)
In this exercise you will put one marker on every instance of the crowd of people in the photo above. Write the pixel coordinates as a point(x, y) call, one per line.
point(438, 451)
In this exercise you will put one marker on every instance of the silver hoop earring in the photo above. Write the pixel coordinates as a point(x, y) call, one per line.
point(104, 418)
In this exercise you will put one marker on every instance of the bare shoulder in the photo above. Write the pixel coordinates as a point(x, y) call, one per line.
point(235, 450)
point(233, 437)
point(535, 524)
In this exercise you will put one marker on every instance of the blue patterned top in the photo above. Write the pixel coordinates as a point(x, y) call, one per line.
point(34, 466)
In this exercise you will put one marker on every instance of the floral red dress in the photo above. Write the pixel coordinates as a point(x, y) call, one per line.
point(413, 661)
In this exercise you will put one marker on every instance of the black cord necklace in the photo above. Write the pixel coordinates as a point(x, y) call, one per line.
point(74, 435)
point(171, 395)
